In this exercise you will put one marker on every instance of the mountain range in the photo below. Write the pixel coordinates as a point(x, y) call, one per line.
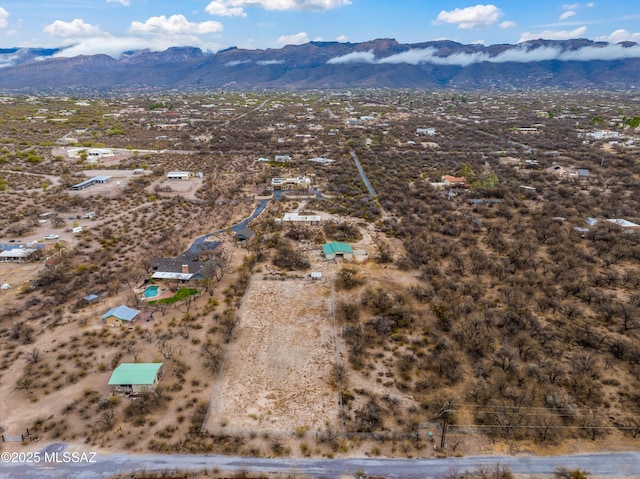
point(578, 63)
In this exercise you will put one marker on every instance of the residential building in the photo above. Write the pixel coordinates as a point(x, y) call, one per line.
point(454, 181)
point(178, 175)
point(305, 219)
point(119, 316)
point(335, 249)
point(90, 182)
point(182, 269)
point(136, 377)
point(288, 183)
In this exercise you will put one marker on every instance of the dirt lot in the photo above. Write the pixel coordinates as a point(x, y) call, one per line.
point(279, 371)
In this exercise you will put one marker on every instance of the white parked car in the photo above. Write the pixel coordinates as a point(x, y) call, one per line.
point(51, 237)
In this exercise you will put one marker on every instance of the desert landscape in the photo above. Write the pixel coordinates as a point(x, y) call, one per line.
point(478, 298)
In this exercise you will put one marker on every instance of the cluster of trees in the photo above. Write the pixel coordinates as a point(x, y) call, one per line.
point(523, 311)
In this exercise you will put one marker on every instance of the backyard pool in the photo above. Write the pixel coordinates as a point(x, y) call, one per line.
point(151, 291)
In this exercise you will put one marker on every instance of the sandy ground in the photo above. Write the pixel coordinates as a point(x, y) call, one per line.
point(279, 369)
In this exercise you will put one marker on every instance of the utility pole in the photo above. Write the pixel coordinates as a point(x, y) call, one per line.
point(443, 416)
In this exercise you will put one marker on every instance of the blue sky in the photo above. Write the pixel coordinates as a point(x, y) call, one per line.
point(114, 26)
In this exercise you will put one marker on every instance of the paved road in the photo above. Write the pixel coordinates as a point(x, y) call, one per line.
point(602, 465)
point(372, 193)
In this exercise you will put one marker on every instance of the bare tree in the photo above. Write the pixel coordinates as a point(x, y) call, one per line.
point(33, 356)
point(134, 349)
point(213, 356)
point(106, 420)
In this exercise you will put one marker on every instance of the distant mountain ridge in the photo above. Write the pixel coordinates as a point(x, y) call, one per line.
point(578, 63)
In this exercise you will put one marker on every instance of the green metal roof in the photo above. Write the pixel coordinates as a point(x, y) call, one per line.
point(134, 373)
point(336, 248)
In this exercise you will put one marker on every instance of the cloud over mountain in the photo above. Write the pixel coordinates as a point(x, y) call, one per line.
point(519, 54)
point(376, 63)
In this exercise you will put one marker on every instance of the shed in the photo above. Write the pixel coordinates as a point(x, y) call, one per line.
point(90, 182)
point(243, 234)
point(178, 175)
point(118, 316)
point(332, 250)
point(136, 377)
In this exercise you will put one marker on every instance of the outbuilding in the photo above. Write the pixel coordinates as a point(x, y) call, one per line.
point(90, 182)
point(178, 175)
point(335, 249)
point(136, 377)
point(119, 316)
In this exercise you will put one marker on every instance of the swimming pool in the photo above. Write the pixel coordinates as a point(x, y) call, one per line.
point(151, 291)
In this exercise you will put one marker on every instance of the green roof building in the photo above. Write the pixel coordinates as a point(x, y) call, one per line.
point(136, 377)
point(332, 250)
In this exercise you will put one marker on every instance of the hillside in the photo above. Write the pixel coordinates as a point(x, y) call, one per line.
point(378, 63)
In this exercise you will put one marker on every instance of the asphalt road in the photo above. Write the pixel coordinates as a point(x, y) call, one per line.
point(618, 465)
point(372, 193)
point(197, 245)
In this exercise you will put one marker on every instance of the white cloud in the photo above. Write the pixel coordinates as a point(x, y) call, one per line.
point(270, 62)
point(521, 54)
point(554, 34)
point(471, 17)
point(3, 17)
point(342, 39)
point(174, 25)
point(576, 6)
point(354, 57)
point(235, 63)
point(115, 46)
point(318, 39)
point(567, 14)
point(295, 39)
point(620, 35)
point(318, 5)
point(77, 28)
point(222, 9)
point(126, 3)
point(236, 7)
point(507, 24)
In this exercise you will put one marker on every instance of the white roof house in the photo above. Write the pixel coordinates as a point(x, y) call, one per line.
point(623, 223)
point(296, 218)
point(178, 175)
point(281, 183)
point(16, 255)
point(94, 153)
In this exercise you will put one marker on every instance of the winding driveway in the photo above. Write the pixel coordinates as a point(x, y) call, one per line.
point(196, 246)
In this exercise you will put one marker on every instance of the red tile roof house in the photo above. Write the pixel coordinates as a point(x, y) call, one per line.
point(455, 181)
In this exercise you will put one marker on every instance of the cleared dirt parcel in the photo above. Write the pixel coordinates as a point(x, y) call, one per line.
point(279, 375)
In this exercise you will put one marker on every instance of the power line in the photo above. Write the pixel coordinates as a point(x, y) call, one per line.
point(495, 426)
point(462, 405)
